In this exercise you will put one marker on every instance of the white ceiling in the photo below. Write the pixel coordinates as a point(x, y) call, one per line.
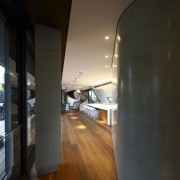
point(90, 22)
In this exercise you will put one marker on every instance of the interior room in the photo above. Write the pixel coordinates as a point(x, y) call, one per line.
point(89, 90)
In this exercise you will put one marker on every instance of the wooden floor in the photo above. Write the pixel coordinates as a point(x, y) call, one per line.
point(87, 150)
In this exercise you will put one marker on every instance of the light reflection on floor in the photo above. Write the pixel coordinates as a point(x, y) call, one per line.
point(74, 117)
point(81, 127)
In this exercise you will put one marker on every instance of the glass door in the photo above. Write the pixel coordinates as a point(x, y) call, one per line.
point(10, 125)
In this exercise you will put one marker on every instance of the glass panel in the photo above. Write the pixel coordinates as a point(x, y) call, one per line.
point(11, 99)
point(12, 154)
point(9, 106)
point(2, 92)
point(30, 109)
point(2, 158)
point(2, 123)
point(14, 95)
point(8, 81)
point(30, 102)
point(2, 110)
point(93, 97)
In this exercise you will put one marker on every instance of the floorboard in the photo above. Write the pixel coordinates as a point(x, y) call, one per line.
point(87, 150)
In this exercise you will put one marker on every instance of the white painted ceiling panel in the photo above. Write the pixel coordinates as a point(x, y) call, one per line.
point(90, 22)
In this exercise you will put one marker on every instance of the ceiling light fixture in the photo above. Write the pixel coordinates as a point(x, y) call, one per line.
point(106, 56)
point(106, 66)
point(106, 37)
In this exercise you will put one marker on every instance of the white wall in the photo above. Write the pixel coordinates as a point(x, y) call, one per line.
point(48, 99)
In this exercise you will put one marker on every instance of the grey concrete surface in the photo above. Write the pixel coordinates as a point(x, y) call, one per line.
point(149, 91)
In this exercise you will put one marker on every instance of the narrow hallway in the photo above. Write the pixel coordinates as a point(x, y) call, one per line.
point(87, 150)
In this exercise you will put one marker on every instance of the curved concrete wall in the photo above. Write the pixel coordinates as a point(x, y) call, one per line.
point(149, 91)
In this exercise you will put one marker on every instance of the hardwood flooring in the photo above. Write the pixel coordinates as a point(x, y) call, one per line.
point(87, 150)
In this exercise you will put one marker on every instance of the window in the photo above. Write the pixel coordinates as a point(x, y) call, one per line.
point(93, 97)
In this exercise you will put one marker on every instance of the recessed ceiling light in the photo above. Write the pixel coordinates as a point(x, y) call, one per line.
point(106, 56)
point(106, 66)
point(106, 37)
point(28, 83)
